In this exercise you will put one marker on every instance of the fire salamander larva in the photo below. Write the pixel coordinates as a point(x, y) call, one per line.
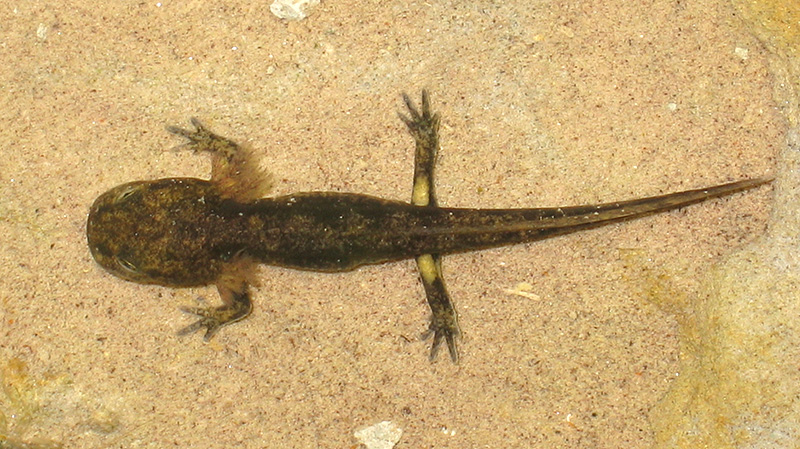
point(184, 232)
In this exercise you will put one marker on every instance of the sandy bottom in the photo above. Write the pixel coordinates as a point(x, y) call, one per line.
point(568, 343)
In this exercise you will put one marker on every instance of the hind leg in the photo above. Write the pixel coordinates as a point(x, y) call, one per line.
point(424, 127)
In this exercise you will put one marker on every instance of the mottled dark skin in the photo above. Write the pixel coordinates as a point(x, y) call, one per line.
point(185, 232)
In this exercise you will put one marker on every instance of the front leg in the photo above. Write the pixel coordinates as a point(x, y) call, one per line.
point(235, 174)
point(233, 168)
point(424, 127)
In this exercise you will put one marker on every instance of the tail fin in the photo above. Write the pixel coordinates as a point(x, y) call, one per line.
point(456, 230)
point(621, 210)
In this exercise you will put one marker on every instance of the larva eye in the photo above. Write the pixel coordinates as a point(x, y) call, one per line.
point(126, 193)
point(126, 265)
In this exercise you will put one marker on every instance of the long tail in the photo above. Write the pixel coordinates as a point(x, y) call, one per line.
point(469, 229)
point(621, 210)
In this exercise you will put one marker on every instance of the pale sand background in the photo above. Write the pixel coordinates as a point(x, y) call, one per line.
point(543, 104)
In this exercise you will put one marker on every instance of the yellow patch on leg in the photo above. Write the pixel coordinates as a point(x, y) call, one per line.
point(421, 193)
point(427, 268)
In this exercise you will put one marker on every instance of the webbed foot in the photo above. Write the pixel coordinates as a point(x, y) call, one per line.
point(201, 139)
point(443, 328)
point(423, 125)
point(237, 306)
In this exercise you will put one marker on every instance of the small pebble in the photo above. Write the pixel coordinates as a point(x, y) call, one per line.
point(292, 9)
point(383, 435)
